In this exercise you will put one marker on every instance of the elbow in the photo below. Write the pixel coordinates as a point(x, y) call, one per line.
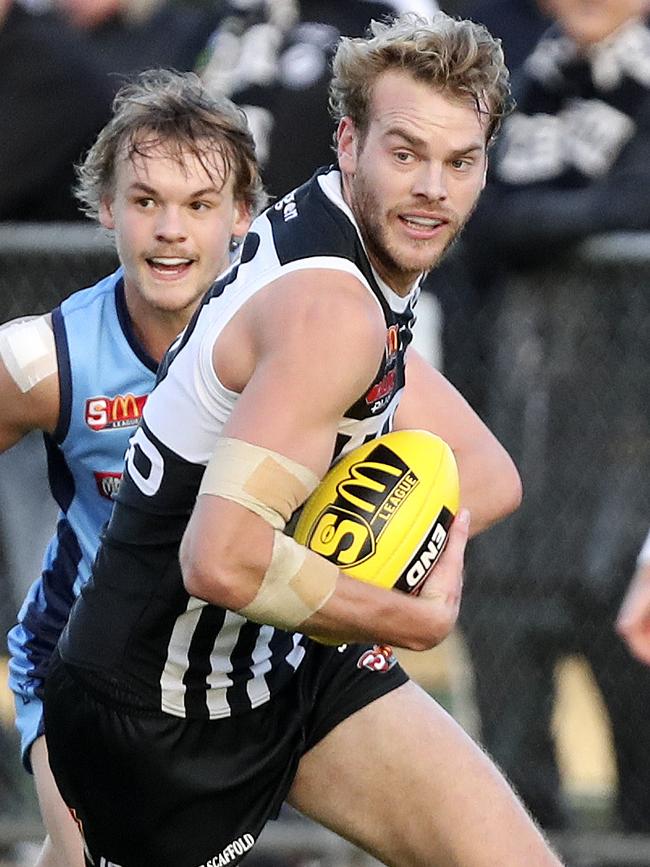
point(505, 494)
point(510, 490)
point(209, 578)
point(435, 633)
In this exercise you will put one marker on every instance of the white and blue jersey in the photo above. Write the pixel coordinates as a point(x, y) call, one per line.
point(104, 378)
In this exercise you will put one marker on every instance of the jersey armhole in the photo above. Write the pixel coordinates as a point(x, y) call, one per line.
point(65, 376)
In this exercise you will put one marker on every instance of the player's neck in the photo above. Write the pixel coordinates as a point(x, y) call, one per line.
point(154, 327)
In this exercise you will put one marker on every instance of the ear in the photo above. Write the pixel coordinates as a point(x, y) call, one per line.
point(485, 171)
point(241, 219)
point(347, 139)
point(106, 214)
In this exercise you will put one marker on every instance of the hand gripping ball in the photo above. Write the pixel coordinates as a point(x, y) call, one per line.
point(382, 512)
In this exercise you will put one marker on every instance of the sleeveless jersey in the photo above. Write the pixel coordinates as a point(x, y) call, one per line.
point(138, 634)
point(104, 377)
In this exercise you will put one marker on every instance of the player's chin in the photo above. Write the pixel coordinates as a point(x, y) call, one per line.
point(419, 258)
point(173, 298)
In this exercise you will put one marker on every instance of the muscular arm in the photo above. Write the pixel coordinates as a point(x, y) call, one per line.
point(489, 482)
point(315, 350)
point(36, 408)
point(633, 623)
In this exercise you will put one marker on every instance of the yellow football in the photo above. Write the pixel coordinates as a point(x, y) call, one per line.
point(382, 512)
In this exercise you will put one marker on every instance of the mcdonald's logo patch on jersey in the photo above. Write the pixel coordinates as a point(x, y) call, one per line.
point(108, 413)
point(392, 342)
point(107, 484)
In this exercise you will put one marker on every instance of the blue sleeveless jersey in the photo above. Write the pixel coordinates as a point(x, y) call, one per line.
point(104, 376)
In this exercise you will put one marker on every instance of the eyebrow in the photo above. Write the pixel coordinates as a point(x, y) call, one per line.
point(413, 140)
point(139, 186)
point(416, 141)
point(470, 149)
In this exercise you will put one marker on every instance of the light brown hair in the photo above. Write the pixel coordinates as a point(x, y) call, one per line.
point(460, 58)
point(176, 110)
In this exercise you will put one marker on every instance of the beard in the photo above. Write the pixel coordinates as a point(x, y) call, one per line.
point(398, 260)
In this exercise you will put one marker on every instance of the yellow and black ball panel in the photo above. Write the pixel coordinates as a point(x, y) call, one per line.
point(382, 513)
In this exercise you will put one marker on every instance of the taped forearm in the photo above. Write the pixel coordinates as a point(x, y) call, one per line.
point(297, 582)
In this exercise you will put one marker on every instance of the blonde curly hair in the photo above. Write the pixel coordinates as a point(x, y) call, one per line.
point(460, 58)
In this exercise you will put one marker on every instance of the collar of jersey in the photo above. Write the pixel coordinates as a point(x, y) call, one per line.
point(330, 184)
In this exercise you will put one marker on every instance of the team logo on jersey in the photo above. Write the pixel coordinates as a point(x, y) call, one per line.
point(107, 484)
point(108, 413)
point(379, 395)
point(380, 659)
point(392, 342)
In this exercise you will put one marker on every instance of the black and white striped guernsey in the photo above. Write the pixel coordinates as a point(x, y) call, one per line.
point(135, 630)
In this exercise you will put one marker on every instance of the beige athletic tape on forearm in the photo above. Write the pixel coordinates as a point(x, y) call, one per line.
point(265, 482)
point(28, 351)
point(296, 584)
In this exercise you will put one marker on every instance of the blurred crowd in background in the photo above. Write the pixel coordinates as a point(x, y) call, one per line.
point(556, 360)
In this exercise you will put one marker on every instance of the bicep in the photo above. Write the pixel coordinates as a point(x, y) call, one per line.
point(22, 413)
point(310, 366)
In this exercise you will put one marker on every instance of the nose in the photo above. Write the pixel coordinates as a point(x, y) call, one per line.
point(430, 181)
point(170, 226)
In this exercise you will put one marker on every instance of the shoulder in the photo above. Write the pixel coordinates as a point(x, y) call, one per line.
point(322, 329)
point(28, 377)
point(319, 302)
point(95, 297)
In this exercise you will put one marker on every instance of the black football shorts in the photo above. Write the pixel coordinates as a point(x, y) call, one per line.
point(152, 790)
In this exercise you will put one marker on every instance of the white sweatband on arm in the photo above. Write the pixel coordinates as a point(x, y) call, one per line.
point(28, 351)
point(644, 554)
point(297, 582)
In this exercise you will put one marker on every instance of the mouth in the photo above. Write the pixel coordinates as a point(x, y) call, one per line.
point(422, 226)
point(169, 267)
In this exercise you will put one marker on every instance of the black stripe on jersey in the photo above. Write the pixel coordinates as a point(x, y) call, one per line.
point(280, 645)
point(195, 678)
point(318, 227)
point(57, 586)
point(177, 491)
point(242, 659)
point(65, 376)
point(127, 328)
point(60, 476)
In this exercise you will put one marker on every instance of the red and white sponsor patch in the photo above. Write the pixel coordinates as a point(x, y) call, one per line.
point(383, 388)
point(108, 413)
point(107, 484)
point(379, 659)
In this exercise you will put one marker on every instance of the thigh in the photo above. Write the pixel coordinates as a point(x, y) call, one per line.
point(64, 847)
point(401, 779)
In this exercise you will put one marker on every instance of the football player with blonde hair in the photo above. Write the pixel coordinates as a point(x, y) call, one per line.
point(206, 703)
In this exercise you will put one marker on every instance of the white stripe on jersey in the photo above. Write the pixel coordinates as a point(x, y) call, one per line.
point(171, 680)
